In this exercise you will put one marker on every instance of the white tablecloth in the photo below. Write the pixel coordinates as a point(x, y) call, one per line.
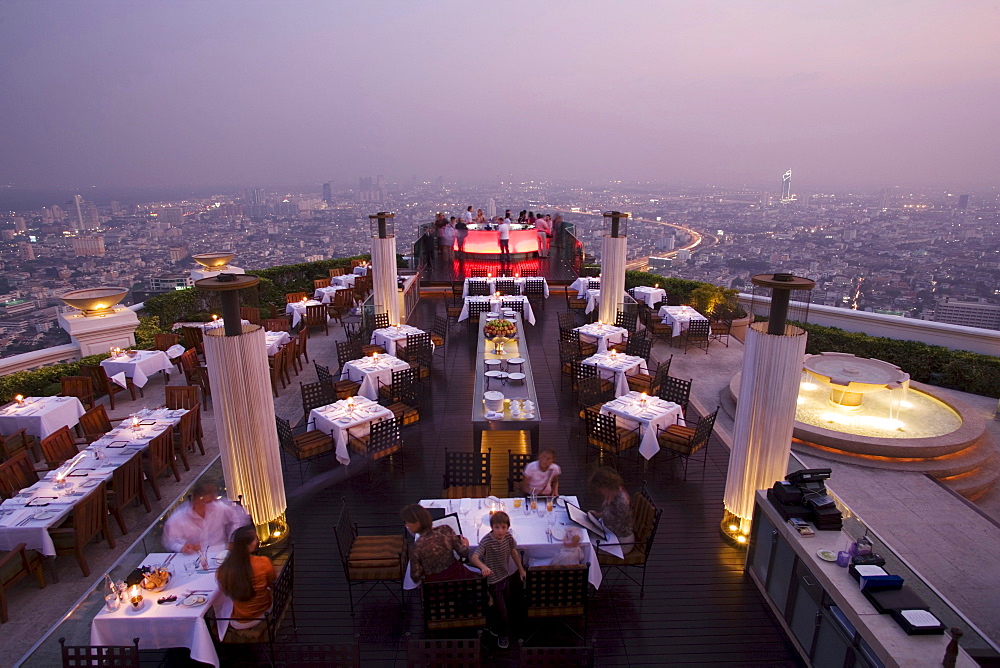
point(139, 367)
point(602, 335)
point(41, 416)
point(360, 271)
point(651, 296)
point(679, 317)
point(327, 295)
point(389, 337)
point(274, 341)
point(528, 531)
point(655, 413)
point(336, 419)
point(581, 285)
point(298, 310)
point(215, 324)
point(369, 372)
point(345, 281)
point(617, 367)
point(496, 305)
point(492, 283)
point(593, 299)
point(171, 624)
point(115, 448)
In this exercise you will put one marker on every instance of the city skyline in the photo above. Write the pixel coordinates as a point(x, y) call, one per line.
point(150, 95)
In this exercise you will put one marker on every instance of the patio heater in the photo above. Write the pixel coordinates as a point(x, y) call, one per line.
point(384, 277)
point(613, 248)
point(236, 356)
point(765, 414)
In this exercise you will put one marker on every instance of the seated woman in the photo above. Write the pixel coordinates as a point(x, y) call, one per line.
point(432, 556)
point(246, 578)
point(616, 510)
point(542, 476)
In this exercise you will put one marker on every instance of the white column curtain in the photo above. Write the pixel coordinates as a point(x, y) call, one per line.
point(384, 277)
point(244, 417)
point(612, 277)
point(765, 414)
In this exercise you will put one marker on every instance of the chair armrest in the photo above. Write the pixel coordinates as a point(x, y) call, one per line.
point(17, 551)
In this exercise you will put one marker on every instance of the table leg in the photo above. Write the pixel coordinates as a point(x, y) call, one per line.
point(477, 438)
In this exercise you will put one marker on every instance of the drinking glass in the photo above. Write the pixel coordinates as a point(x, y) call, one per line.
point(548, 504)
point(112, 602)
point(479, 525)
point(517, 502)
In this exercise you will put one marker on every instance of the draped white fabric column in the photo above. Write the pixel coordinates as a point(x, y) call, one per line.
point(384, 277)
point(612, 277)
point(244, 417)
point(765, 415)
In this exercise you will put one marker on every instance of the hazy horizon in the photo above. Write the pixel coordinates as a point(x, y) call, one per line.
point(151, 95)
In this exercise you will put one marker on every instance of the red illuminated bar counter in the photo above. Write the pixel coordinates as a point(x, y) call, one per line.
point(486, 243)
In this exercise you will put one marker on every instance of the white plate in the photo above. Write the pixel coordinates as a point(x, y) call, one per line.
point(492, 314)
point(826, 555)
point(515, 360)
point(492, 362)
point(494, 374)
point(221, 556)
point(90, 483)
point(516, 376)
point(493, 415)
point(528, 416)
point(195, 600)
point(42, 515)
point(344, 420)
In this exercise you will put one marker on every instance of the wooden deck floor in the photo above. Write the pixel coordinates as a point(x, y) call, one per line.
point(698, 609)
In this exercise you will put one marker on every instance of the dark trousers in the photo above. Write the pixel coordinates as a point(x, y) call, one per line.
point(505, 249)
point(500, 616)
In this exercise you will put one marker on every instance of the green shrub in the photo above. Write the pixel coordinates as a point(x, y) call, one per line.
point(42, 382)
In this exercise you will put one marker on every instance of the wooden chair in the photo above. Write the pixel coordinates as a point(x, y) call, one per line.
point(466, 474)
point(92, 656)
point(362, 288)
point(277, 325)
point(185, 396)
point(165, 341)
point(198, 376)
point(606, 437)
point(321, 283)
point(15, 443)
point(88, 519)
point(381, 442)
point(59, 446)
point(292, 297)
point(454, 604)
point(302, 347)
point(369, 560)
point(126, 487)
point(81, 387)
point(515, 471)
point(291, 357)
point(645, 520)
point(342, 389)
point(343, 303)
point(336, 271)
point(317, 315)
point(95, 423)
point(557, 591)
point(534, 290)
point(159, 457)
point(251, 314)
point(356, 263)
point(675, 390)
point(277, 370)
point(189, 359)
point(556, 657)
point(683, 441)
point(443, 652)
point(15, 565)
point(103, 384)
point(303, 447)
point(187, 435)
point(696, 335)
point(650, 383)
point(193, 337)
point(16, 474)
point(315, 395)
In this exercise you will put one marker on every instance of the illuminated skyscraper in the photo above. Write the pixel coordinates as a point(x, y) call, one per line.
point(786, 186)
point(328, 193)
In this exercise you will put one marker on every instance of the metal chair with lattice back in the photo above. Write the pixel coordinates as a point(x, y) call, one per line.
point(383, 441)
point(607, 438)
point(315, 395)
point(402, 396)
point(419, 353)
point(684, 442)
point(557, 592)
point(303, 447)
point(582, 371)
point(439, 335)
point(516, 462)
point(478, 288)
point(697, 335)
point(516, 305)
point(342, 389)
point(380, 320)
point(507, 286)
point(650, 383)
point(676, 390)
point(534, 290)
point(100, 656)
point(454, 604)
point(466, 475)
point(476, 309)
point(645, 521)
point(628, 320)
point(592, 394)
point(369, 560)
point(443, 652)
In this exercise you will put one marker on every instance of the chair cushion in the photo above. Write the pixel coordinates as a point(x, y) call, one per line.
point(405, 411)
point(346, 388)
point(640, 382)
point(437, 339)
point(677, 438)
point(312, 443)
point(376, 558)
point(633, 558)
point(368, 349)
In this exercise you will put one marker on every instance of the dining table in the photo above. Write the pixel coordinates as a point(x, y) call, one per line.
point(360, 271)
point(521, 281)
point(371, 371)
point(28, 516)
point(345, 281)
point(328, 294)
point(617, 367)
point(528, 528)
point(649, 413)
point(179, 623)
point(584, 283)
point(40, 416)
point(602, 334)
point(679, 317)
point(298, 310)
point(275, 340)
point(496, 304)
point(348, 417)
point(215, 324)
point(138, 366)
point(650, 295)
point(394, 335)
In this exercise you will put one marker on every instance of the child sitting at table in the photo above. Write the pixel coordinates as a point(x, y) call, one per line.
point(571, 553)
point(492, 557)
point(542, 476)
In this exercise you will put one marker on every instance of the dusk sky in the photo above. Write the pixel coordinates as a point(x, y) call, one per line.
point(847, 94)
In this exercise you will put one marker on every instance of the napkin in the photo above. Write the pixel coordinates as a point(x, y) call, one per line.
point(13, 519)
point(119, 378)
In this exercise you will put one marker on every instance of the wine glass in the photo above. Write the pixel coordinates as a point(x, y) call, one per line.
point(479, 525)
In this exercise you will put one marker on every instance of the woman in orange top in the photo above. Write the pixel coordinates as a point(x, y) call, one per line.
point(246, 578)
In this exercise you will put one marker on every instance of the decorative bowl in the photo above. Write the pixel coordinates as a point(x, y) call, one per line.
point(94, 301)
point(214, 261)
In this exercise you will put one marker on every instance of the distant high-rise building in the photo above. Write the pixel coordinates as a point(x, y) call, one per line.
point(786, 186)
point(116, 208)
point(382, 187)
point(92, 246)
point(328, 193)
point(372, 190)
point(25, 251)
point(255, 196)
point(75, 208)
point(970, 314)
point(491, 209)
point(172, 215)
point(178, 253)
point(963, 201)
point(883, 199)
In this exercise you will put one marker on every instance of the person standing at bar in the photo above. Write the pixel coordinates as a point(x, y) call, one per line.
point(503, 234)
point(543, 226)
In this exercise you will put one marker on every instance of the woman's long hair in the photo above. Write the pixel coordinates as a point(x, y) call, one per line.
point(235, 575)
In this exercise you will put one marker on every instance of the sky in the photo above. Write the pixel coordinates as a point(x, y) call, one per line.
point(154, 93)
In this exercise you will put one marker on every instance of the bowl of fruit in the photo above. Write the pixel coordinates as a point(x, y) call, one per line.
point(499, 332)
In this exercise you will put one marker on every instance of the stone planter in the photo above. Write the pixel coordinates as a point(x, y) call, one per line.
point(739, 328)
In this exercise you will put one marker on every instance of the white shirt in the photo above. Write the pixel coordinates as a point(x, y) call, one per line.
point(543, 226)
point(539, 480)
point(467, 216)
point(222, 517)
point(504, 230)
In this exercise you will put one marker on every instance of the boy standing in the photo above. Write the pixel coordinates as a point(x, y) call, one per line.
point(492, 558)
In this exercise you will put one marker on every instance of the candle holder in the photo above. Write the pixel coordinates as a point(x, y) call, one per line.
point(19, 399)
point(135, 596)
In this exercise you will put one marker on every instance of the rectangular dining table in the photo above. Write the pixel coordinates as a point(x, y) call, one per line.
point(582, 284)
point(25, 521)
point(274, 341)
point(298, 310)
point(390, 337)
point(370, 371)
point(602, 334)
point(679, 317)
point(617, 367)
point(139, 367)
point(529, 531)
point(345, 281)
point(652, 296)
point(176, 624)
point(353, 415)
point(649, 413)
point(41, 416)
point(327, 295)
point(496, 304)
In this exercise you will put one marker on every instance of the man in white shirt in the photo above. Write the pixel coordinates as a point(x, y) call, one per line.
point(503, 234)
point(544, 228)
point(467, 216)
point(203, 521)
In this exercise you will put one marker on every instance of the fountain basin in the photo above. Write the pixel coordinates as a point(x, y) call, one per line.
point(214, 261)
point(94, 301)
point(850, 377)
